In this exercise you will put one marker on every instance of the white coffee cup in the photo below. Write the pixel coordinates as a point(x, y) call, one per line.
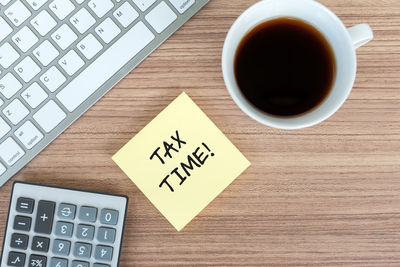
point(343, 42)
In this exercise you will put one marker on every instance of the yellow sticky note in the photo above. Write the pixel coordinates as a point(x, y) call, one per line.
point(181, 161)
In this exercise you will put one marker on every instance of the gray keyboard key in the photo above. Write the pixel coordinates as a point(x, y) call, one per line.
point(101, 265)
point(85, 232)
point(82, 250)
point(106, 235)
point(66, 211)
point(88, 214)
point(103, 253)
point(61, 247)
point(19, 241)
point(44, 217)
point(25, 205)
point(37, 260)
point(16, 259)
point(64, 229)
point(40, 244)
point(58, 262)
point(22, 223)
point(109, 217)
point(80, 264)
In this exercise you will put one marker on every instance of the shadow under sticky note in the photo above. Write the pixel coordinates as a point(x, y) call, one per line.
point(181, 161)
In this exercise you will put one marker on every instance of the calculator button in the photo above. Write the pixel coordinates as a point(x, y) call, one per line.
point(108, 216)
point(19, 241)
point(82, 250)
point(22, 223)
point(40, 244)
point(100, 265)
point(87, 214)
point(61, 247)
point(85, 232)
point(16, 259)
point(58, 262)
point(80, 264)
point(106, 235)
point(103, 253)
point(66, 211)
point(44, 217)
point(25, 205)
point(36, 260)
point(64, 229)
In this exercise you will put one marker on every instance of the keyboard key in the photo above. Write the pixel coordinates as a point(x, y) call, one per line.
point(46, 53)
point(19, 241)
point(27, 69)
point(49, 116)
point(17, 13)
point(61, 247)
point(22, 223)
point(37, 260)
point(40, 244)
point(182, 5)
point(34, 95)
point(53, 79)
point(89, 46)
point(64, 36)
point(43, 23)
point(87, 214)
point(62, 8)
point(9, 85)
point(103, 253)
point(82, 250)
point(16, 259)
point(64, 229)
point(29, 135)
point(5, 29)
point(143, 5)
point(25, 205)
point(36, 4)
point(161, 17)
point(58, 262)
point(109, 217)
point(2, 169)
point(82, 20)
point(66, 211)
point(8, 55)
point(85, 232)
point(44, 217)
point(25, 39)
point(104, 67)
point(80, 264)
point(4, 129)
point(100, 7)
point(71, 62)
point(106, 235)
point(101, 265)
point(125, 14)
point(10, 151)
point(107, 30)
point(16, 111)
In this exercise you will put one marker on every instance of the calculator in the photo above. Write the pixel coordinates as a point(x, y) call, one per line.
point(59, 227)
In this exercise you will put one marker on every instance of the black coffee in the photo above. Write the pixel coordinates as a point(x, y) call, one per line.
point(285, 67)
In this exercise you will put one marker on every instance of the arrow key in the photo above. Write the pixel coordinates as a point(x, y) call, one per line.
point(66, 211)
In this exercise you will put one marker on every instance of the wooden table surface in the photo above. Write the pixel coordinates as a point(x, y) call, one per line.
point(323, 196)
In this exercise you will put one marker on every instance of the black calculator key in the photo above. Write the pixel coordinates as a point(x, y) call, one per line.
point(19, 241)
point(22, 223)
point(44, 217)
point(25, 205)
point(40, 244)
point(37, 261)
point(16, 259)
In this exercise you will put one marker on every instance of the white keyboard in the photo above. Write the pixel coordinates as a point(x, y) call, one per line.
point(58, 57)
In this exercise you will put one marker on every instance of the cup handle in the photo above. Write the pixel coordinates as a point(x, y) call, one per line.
point(360, 34)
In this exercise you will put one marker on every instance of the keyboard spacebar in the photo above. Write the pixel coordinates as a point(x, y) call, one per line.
point(105, 66)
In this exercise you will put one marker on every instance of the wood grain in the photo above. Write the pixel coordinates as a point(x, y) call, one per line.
point(324, 196)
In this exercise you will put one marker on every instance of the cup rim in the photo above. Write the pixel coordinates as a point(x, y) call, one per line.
point(286, 123)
